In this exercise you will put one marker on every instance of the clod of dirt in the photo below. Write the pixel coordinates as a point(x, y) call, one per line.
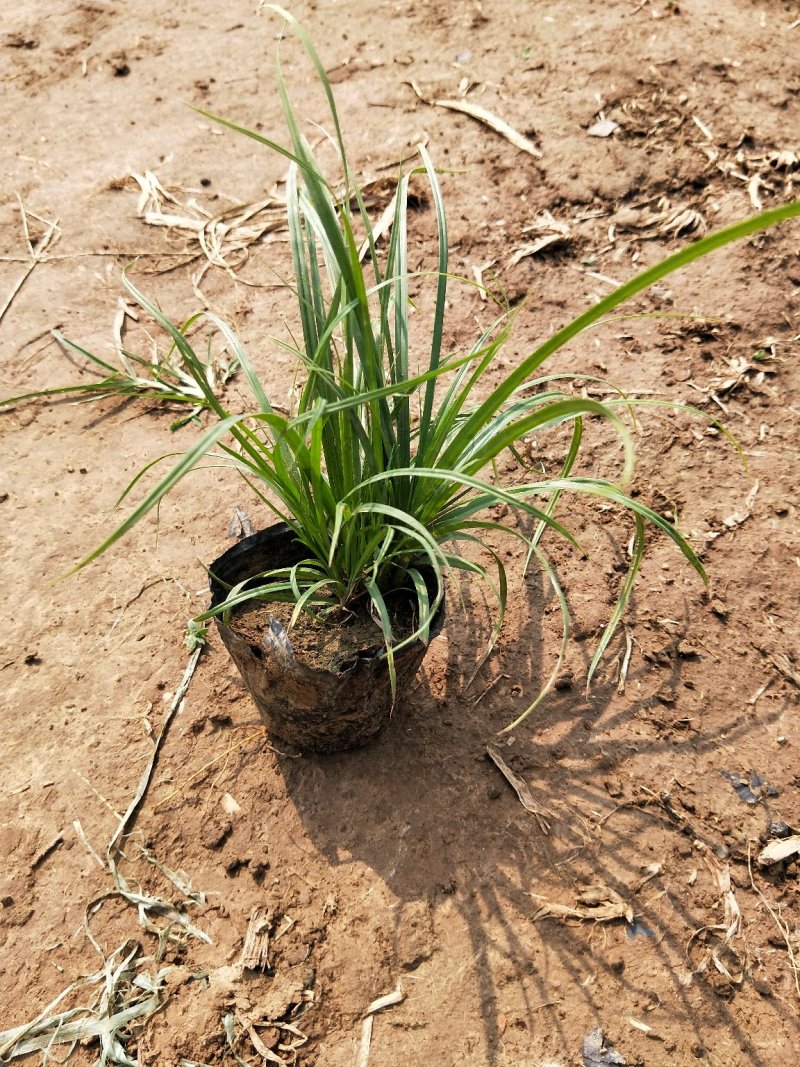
point(415, 936)
point(719, 608)
point(19, 40)
point(215, 833)
point(119, 65)
point(284, 994)
point(613, 786)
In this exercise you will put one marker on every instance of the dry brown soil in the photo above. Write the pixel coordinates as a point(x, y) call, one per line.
point(412, 861)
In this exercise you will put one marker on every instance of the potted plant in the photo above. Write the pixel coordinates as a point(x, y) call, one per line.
point(378, 478)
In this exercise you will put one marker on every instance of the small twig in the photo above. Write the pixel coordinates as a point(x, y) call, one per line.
point(202, 770)
point(145, 587)
point(623, 671)
point(127, 820)
point(50, 234)
point(84, 840)
point(489, 688)
point(706, 132)
point(386, 1001)
point(48, 850)
point(760, 692)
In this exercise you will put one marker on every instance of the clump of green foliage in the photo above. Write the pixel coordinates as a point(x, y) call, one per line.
point(385, 467)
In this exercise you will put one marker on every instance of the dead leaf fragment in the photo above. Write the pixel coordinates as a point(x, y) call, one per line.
point(776, 851)
point(521, 788)
point(241, 525)
point(537, 246)
point(283, 994)
point(719, 950)
point(786, 667)
point(603, 128)
point(487, 118)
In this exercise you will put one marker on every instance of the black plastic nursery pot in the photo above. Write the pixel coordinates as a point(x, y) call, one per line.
point(313, 709)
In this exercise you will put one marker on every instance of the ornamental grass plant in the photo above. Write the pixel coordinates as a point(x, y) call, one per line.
point(386, 466)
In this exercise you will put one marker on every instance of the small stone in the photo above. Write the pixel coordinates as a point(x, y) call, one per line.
point(778, 828)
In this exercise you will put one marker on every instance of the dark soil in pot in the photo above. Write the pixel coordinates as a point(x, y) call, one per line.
point(321, 687)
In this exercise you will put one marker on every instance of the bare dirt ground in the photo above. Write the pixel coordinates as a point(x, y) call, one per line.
point(412, 861)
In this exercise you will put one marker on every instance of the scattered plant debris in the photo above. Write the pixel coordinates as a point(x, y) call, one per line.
point(718, 939)
point(37, 246)
point(596, 903)
point(386, 1001)
point(255, 951)
point(129, 993)
point(156, 380)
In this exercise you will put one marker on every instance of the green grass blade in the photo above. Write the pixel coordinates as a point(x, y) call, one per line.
point(622, 600)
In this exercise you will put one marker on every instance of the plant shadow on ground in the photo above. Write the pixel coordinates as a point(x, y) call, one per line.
point(425, 808)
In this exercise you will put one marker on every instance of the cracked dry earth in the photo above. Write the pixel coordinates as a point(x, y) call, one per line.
point(634, 902)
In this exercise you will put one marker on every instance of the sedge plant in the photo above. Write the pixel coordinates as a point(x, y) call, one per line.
point(384, 470)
